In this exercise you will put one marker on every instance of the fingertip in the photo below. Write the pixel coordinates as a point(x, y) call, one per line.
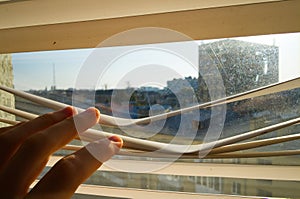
point(105, 148)
point(117, 140)
point(69, 111)
point(96, 112)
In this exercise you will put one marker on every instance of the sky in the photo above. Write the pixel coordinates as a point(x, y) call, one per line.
point(119, 67)
point(35, 70)
point(115, 67)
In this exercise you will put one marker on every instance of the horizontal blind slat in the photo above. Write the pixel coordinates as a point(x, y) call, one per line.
point(267, 172)
point(121, 192)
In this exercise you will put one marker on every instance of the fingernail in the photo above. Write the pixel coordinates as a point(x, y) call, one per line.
point(104, 149)
point(92, 112)
point(86, 119)
point(117, 140)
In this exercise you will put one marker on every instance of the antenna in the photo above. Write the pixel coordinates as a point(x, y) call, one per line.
point(54, 79)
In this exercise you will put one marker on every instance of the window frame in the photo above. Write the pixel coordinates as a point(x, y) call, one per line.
point(211, 22)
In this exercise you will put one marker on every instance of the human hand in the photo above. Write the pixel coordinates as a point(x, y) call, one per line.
point(25, 149)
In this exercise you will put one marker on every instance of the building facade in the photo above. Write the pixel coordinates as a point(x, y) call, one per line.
point(6, 79)
point(242, 65)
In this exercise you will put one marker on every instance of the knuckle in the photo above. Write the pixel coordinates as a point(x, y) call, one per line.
point(67, 166)
point(34, 143)
point(48, 118)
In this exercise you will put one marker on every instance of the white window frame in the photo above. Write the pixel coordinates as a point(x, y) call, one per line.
point(26, 31)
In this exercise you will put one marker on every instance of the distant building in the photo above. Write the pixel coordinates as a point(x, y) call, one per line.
point(177, 85)
point(242, 65)
point(149, 89)
point(185, 90)
point(6, 79)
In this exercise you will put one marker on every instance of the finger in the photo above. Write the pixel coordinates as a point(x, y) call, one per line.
point(40, 123)
point(8, 128)
point(37, 148)
point(11, 139)
point(66, 175)
point(4, 129)
point(4, 151)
